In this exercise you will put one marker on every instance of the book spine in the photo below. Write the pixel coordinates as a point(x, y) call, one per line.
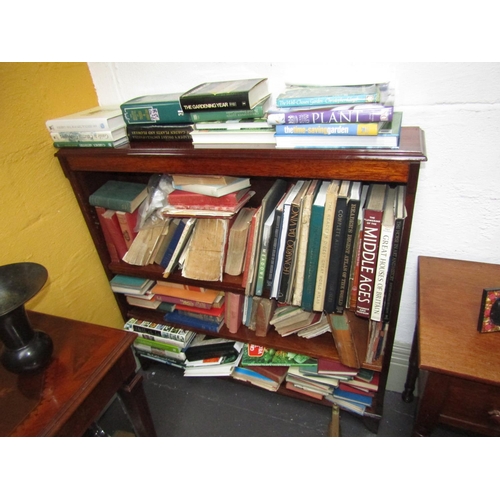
point(158, 330)
point(347, 257)
point(237, 100)
point(154, 113)
point(396, 244)
point(146, 339)
point(128, 223)
point(88, 144)
point(85, 125)
point(112, 233)
point(379, 114)
point(368, 260)
point(167, 256)
point(158, 135)
point(324, 256)
point(273, 250)
point(288, 253)
point(381, 273)
point(208, 326)
point(289, 102)
point(237, 114)
point(233, 316)
point(311, 267)
point(336, 251)
point(158, 351)
point(186, 302)
point(82, 136)
point(328, 129)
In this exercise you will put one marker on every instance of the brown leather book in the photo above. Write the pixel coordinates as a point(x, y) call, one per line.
point(344, 340)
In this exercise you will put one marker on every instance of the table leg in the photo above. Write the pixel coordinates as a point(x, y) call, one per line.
point(137, 407)
point(412, 374)
point(431, 401)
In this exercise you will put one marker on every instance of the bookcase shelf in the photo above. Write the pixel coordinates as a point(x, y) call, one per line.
point(88, 169)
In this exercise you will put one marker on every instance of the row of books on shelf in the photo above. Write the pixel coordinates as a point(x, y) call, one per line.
point(318, 245)
point(242, 112)
point(202, 355)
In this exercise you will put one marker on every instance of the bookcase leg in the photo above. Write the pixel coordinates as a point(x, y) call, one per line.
point(372, 424)
point(334, 426)
point(412, 374)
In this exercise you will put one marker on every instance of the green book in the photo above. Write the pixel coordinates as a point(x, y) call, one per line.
point(119, 195)
point(154, 109)
point(158, 345)
point(266, 356)
point(313, 246)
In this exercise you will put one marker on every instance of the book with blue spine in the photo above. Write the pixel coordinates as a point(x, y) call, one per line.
point(344, 113)
point(178, 318)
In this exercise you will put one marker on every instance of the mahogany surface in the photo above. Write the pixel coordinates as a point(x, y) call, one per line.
point(460, 370)
point(89, 365)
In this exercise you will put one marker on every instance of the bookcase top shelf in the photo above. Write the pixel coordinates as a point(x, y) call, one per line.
point(388, 165)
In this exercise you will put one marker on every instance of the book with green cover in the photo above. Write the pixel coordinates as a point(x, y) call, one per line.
point(154, 109)
point(266, 356)
point(119, 195)
point(258, 111)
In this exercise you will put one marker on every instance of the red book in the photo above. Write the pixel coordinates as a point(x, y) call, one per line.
point(333, 367)
point(113, 236)
point(196, 201)
point(350, 388)
point(128, 224)
point(234, 311)
point(372, 223)
point(276, 373)
point(213, 311)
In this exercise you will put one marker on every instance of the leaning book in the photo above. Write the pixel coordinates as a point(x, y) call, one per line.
point(263, 356)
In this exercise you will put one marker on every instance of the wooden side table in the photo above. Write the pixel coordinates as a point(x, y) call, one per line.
point(459, 377)
point(90, 364)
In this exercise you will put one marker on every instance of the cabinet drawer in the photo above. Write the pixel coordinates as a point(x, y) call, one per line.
point(472, 405)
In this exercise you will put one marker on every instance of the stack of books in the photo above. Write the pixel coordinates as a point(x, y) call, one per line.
point(354, 116)
point(163, 343)
point(212, 357)
point(229, 112)
point(156, 117)
point(98, 127)
point(117, 204)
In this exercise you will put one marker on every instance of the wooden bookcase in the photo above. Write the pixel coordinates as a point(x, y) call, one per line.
point(89, 168)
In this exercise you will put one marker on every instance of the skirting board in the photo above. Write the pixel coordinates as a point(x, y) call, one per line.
point(399, 368)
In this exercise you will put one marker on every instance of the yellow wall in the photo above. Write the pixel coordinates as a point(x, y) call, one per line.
point(40, 216)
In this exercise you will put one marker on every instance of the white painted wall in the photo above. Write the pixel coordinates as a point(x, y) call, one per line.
point(456, 104)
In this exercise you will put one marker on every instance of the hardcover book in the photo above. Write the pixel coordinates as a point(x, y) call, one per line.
point(329, 129)
point(353, 206)
point(225, 95)
point(188, 200)
point(325, 245)
point(322, 95)
point(258, 111)
point(347, 113)
point(258, 355)
point(90, 136)
point(165, 132)
point(383, 256)
point(90, 120)
point(154, 109)
point(344, 340)
point(372, 222)
point(210, 185)
point(206, 252)
point(119, 195)
point(312, 256)
point(237, 242)
point(387, 138)
point(337, 247)
point(113, 235)
point(91, 144)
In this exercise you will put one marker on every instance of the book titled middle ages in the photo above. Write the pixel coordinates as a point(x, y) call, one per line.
point(372, 223)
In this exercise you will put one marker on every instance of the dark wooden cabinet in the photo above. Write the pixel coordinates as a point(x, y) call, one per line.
point(89, 168)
